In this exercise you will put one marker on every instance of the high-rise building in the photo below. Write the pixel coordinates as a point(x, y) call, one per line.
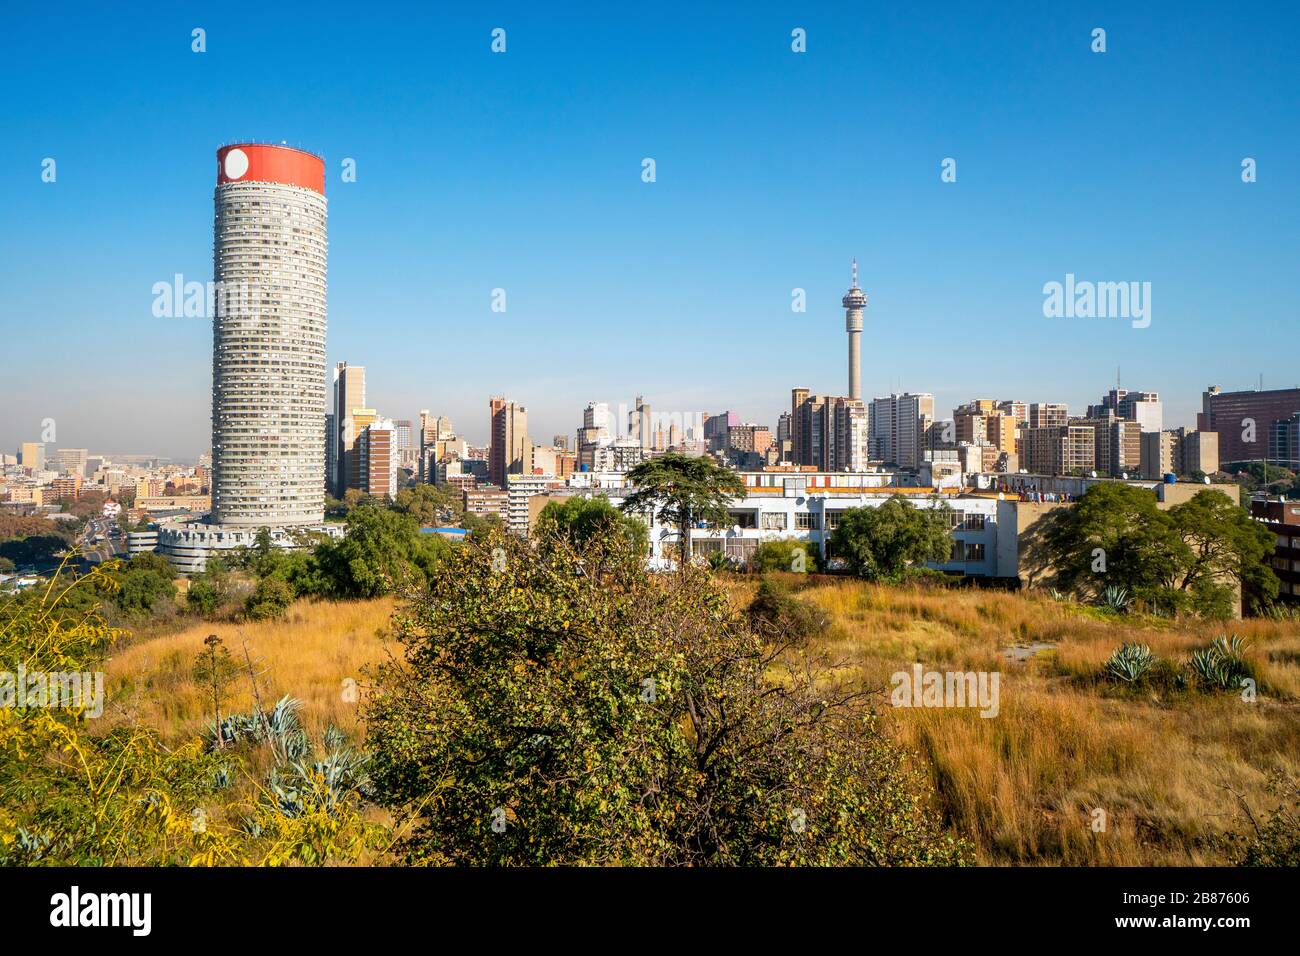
point(1017, 410)
point(268, 376)
point(1048, 414)
point(1157, 454)
point(639, 423)
point(854, 302)
point(377, 459)
point(72, 460)
point(1197, 452)
point(1244, 420)
point(510, 450)
point(1283, 442)
point(361, 419)
point(349, 394)
point(33, 456)
point(899, 424)
point(1059, 449)
point(1145, 408)
point(331, 453)
point(404, 443)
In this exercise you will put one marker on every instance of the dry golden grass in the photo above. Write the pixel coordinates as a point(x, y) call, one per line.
point(1023, 785)
point(308, 655)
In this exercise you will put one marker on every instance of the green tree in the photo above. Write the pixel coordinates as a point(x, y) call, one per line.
point(784, 554)
point(1116, 536)
point(1226, 549)
point(383, 549)
point(581, 518)
point(1191, 557)
point(776, 612)
point(482, 525)
point(144, 584)
point(566, 706)
point(429, 505)
point(882, 543)
point(681, 490)
point(270, 599)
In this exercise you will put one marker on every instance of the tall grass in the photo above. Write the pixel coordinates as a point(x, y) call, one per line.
point(1024, 785)
point(309, 655)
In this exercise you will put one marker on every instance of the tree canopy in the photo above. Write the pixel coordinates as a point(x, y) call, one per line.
point(882, 543)
point(681, 490)
point(558, 705)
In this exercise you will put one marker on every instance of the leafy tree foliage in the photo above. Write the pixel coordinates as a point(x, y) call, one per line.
point(566, 706)
point(882, 543)
point(579, 519)
point(145, 583)
point(428, 504)
point(383, 549)
point(682, 490)
point(1187, 558)
point(785, 554)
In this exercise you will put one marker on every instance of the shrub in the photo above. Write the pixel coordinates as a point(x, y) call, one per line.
point(784, 555)
point(567, 707)
point(776, 612)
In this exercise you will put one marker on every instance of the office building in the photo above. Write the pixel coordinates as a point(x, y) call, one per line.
point(510, 451)
point(1244, 420)
point(349, 395)
point(33, 456)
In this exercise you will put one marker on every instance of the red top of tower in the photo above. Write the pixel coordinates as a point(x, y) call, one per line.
point(263, 163)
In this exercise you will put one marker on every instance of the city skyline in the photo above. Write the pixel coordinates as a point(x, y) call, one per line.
point(678, 289)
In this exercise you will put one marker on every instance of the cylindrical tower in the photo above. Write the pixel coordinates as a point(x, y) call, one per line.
point(854, 301)
point(268, 354)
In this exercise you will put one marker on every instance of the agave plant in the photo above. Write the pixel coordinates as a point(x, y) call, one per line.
point(1116, 599)
point(326, 783)
point(334, 738)
point(1222, 665)
point(285, 729)
point(720, 561)
point(1129, 662)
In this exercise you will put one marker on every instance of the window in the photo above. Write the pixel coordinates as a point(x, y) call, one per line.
point(832, 520)
point(774, 521)
point(805, 521)
point(974, 551)
point(973, 522)
point(743, 519)
point(958, 551)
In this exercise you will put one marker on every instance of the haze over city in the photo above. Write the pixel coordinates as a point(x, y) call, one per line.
point(523, 172)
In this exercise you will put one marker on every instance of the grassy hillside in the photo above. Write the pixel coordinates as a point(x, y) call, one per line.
point(1024, 785)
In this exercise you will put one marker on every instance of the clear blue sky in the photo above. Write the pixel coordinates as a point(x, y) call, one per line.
point(523, 171)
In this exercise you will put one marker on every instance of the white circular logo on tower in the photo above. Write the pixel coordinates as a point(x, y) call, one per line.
point(236, 163)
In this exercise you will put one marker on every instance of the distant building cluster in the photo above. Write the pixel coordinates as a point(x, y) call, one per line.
point(284, 437)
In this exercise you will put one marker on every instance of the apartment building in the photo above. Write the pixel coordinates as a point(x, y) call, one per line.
point(1059, 449)
point(1282, 518)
